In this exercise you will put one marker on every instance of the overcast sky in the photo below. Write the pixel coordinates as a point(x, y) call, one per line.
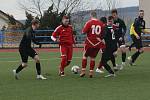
point(12, 7)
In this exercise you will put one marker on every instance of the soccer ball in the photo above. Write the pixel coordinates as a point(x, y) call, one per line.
point(75, 69)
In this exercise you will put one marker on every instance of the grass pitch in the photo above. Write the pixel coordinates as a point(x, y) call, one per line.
point(133, 83)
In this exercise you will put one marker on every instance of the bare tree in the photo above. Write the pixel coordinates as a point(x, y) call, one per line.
point(33, 6)
point(65, 5)
point(111, 4)
point(38, 6)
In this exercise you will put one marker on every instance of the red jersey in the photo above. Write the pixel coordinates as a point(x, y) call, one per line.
point(65, 35)
point(94, 30)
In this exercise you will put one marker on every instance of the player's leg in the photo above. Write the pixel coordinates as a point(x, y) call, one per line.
point(84, 61)
point(137, 53)
point(123, 51)
point(113, 60)
point(19, 69)
point(93, 53)
point(63, 51)
point(100, 67)
point(131, 46)
point(24, 58)
point(69, 54)
point(105, 58)
point(139, 47)
point(122, 47)
point(34, 55)
point(92, 65)
point(113, 53)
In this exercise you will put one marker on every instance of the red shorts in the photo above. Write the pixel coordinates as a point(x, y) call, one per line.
point(90, 52)
point(66, 51)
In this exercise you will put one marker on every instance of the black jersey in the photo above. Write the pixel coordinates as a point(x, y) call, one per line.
point(28, 37)
point(110, 37)
point(139, 24)
point(120, 28)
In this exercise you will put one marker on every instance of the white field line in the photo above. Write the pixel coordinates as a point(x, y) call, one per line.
point(51, 59)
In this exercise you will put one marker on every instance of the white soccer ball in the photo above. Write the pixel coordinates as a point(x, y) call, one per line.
point(75, 69)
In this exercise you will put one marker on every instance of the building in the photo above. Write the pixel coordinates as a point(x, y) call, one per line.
point(144, 5)
point(5, 20)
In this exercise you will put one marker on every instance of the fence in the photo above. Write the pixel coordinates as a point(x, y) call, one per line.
point(12, 38)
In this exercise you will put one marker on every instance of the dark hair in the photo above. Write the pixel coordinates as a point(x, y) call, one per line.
point(141, 10)
point(35, 21)
point(103, 19)
point(110, 18)
point(114, 11)
point(94, 14)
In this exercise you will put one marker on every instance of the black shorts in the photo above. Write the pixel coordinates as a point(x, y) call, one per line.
point(108, 54)
point(120, 43)
point(26, 52)
point(138, 42)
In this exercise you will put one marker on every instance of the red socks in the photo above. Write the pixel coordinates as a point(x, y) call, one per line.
point(63, 63)
point(92, 64)
point(84, 63)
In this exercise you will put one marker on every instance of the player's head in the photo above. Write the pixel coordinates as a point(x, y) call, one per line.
point(141, 13)
point(65, 20)
point(103, 19)
point(35, 24)
point(114, 13)
point(110, 20)
point(93, 14)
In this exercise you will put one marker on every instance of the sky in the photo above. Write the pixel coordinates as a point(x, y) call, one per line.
point(12, 6)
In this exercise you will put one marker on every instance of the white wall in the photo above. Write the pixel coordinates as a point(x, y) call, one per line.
point(145, 5)
point(2, 23)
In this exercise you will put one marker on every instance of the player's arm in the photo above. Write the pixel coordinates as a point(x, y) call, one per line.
point(124, 28)
point(31, 36)
point(145, 30)
point(135, 27)
point(34, 40)
point(86, 28)
point(104, 36)
point(55, 34)
point(132, 31)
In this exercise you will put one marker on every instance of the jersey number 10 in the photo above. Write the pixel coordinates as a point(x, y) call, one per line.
point(96, 29)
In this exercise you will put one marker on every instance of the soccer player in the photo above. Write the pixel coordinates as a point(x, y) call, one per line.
point(120, 33)
point(93, 29)
point(100, 67)
point(26, 50)
point(132, 31)
point(111, 45)
point(138, 28)
point(64, 35)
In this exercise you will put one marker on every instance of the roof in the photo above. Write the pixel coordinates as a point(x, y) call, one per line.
point(8, 16)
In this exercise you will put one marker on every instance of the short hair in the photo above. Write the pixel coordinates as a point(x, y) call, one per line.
point(114, 11)
point(141, 10)
point(110, 17)
point(35, 21)
point(94, 14)
point(103, 19)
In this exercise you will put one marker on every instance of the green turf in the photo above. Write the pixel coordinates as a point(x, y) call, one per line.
point(133, 83)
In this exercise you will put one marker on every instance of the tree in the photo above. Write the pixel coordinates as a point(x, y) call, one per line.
point(111, 4)
point(51, 19)
point(37, 7)
point(28, 20)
